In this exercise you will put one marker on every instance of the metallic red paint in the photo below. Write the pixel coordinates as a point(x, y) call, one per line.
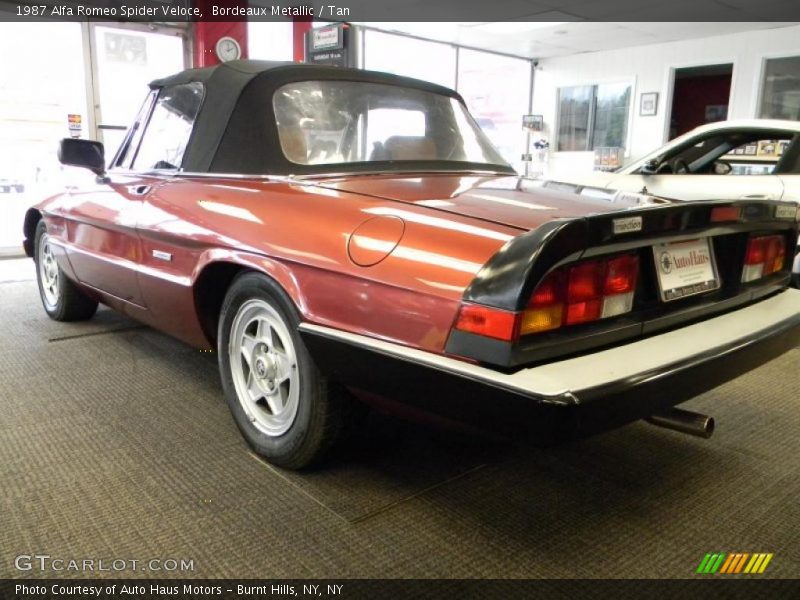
point(142, 243)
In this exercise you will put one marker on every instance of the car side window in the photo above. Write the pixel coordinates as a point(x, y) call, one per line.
point(170, 125)
point(127, 150)
point(756, 157)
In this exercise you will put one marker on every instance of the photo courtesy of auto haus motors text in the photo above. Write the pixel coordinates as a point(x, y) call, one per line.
point(406, 300)
point(150, 590)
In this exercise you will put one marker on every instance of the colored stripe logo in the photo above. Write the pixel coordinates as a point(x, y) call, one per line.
point(733, 563)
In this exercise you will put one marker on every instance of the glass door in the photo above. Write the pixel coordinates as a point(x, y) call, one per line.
point(125, 60)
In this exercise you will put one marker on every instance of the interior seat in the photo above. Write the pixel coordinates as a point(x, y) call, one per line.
point(293, 143)
point(407, 147)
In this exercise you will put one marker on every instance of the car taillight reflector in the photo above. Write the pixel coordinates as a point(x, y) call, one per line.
point(765, 255)
point(487, 321)
point(721, 214)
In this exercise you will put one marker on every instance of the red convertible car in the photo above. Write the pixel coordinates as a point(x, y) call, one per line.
point(337, 233)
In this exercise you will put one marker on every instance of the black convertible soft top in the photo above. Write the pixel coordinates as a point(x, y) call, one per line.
point(235, 130)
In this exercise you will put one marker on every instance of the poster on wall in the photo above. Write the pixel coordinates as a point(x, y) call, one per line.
point(74, 125)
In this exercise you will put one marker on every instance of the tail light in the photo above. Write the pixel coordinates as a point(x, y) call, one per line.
point(765, 255)
point(579, 293)
point(582, 293)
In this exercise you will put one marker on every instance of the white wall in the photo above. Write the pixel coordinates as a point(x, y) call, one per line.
point(649, 69)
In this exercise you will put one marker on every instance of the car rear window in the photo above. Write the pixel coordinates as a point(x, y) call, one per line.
point(337, 122)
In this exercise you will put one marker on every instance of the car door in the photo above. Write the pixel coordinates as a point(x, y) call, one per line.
point(104, 225)
point(105, 249)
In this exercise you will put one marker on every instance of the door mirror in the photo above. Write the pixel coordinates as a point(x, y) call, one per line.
point(650, 167)
point(82, 153)
point(722, 168)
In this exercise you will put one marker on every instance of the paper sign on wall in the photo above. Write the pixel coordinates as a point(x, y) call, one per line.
point(74, 122)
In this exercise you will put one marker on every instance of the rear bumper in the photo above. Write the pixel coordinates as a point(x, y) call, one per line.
point(574, 396)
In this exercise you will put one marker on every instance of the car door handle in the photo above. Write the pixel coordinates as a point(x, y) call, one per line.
point(138, 190)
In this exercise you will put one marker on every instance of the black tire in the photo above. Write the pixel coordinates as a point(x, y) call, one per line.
point(322, 410)
point(67, 302)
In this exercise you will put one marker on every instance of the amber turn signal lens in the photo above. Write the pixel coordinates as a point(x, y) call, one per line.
point(541, 319)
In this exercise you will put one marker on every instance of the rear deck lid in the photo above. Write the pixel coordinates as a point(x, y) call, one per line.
point(511, 201)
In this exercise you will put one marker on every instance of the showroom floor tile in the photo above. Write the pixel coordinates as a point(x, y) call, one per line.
point(115, 442)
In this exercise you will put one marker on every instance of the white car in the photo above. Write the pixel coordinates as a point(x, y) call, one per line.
point(753, 159)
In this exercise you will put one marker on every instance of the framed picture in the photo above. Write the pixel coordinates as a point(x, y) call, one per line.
point(648, 105)
point(533, 122)
point(767, 148)
point(716, 112)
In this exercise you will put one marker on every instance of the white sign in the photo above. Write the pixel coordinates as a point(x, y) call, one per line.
point(627, 225)
point(325, 37)
point(685, 268)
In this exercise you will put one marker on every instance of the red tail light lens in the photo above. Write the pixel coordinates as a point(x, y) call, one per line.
point(584, 292)
point(581, 312)
point(549, 291)
point(621, 275)
point(585, 281)
point(487, 321)
point(765, 255)
point(755, 251)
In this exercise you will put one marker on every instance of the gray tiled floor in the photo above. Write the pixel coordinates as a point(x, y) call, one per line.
point(118, 445)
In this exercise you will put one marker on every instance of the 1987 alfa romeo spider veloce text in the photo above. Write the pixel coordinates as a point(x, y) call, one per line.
point(336, 233)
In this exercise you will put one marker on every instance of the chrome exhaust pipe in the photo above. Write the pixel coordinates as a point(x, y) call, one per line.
point(685, 421)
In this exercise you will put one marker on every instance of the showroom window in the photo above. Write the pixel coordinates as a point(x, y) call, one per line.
point(593, 116)
point(167, 133)
point(402, 55)
point(38, 90)
point(497, 92)
point(780, 93)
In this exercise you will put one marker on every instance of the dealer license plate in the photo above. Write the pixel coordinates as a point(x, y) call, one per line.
point(685, 268)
